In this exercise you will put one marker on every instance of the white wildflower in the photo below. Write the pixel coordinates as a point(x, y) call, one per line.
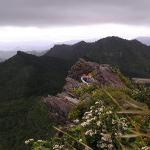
point(95, 118)
point(91, 111)
point(58, 147)
point(113, 121)
point(96, 111)
point(76, 121)
point(103, 145)
point(92, 107)
point(29, 141)
point(106, 137)
point(99, 113)
point(98, 123)
point(110, 146)
point(90, 133)
point(96, 103)
point(109, 112)
point(86, 113)
point(80, 140)
point(145, 148)
point(39, 141)
point(83, 124)
point(101, 109)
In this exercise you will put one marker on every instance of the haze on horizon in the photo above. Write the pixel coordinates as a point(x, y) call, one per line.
point(38, 24)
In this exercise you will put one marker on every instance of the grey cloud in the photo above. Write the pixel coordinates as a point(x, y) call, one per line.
point(73, 12)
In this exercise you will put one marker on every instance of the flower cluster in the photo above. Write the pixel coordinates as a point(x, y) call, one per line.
point(29, 141)
point(102, 127)
point(95, 126)
point(58, 147)
point(145, 148)
point(92, 116)
point(102, 123)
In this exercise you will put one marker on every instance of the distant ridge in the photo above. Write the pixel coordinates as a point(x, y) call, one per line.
point(4, 55)
point(1, 59)
point(131, 56)
point(144, 40)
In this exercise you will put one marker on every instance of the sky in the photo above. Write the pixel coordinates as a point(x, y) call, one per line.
point(38, 24)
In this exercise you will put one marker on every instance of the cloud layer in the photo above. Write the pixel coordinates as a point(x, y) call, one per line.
point(73, 12)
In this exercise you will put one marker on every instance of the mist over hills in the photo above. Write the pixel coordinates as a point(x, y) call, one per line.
point(144, 40)
point(4, 55)
point(1, 59)
point(26, 45)
point(7, 54)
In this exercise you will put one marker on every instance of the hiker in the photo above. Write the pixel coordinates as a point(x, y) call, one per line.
point(87, 79)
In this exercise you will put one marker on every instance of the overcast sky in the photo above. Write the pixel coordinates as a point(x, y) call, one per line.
point(67, 20)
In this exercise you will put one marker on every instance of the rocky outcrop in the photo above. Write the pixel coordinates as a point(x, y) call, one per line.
point(102, 73)
point(60, 105)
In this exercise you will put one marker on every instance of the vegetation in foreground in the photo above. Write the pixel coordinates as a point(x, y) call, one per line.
point(105, 119)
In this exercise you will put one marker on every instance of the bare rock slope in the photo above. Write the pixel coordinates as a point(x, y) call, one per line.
point(60, 105)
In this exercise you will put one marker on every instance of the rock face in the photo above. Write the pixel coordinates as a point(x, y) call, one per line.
point(60, 105)
point(102, 73)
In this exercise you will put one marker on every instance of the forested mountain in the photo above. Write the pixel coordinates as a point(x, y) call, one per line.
point(132, 57)
point(25, 75)
point(24, 79)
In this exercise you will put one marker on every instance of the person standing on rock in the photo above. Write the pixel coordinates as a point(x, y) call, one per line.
point(87, 79)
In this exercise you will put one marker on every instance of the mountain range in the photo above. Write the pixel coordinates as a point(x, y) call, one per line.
point(4, 55)
point(25, 75)
point(131, 56)
point(26, 78)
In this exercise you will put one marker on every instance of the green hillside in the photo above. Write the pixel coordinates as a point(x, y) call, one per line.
point(26, 75)
point(24, 79)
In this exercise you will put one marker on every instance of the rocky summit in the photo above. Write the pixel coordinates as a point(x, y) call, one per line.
point(100, 74)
